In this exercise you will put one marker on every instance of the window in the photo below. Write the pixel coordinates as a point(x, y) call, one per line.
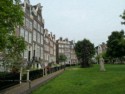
point(60, 45)
point(41, 53)
point(48, 56)
point(35, 24)
point(26, 36)
point(38, 37)
point(26, 54)
point(51, 51)
point(60, 51)
point(46, 40)
point(30, 25)
point(38, 51)
point(51, 43)
point(42, 30)
point(47, 48)
point(30, 37)
point(41, 39)
point(38, 27)
point(34, 35)
point(22, 32)
point(39, 17)
point(27, 22)
point(45, 56)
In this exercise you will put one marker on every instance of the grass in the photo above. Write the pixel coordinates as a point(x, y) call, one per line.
point(77, 80)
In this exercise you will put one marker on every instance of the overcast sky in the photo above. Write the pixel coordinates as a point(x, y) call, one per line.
point(79, 19)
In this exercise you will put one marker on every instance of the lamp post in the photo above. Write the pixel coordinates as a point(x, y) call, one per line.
point(21, 75)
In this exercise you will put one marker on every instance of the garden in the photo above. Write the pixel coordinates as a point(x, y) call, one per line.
point(76, 80)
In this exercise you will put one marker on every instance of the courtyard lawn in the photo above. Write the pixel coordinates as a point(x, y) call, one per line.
point(77, 80)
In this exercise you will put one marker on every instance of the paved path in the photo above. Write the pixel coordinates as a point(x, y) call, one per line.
point(25, 88)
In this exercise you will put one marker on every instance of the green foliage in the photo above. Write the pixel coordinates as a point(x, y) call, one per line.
point(123, 17)
point(87, 81)
point(11, 17)
point(84, 51)
point(62, 58)
point(104, 56)
point(15, 45)
point(14, 48)
point(116, 44)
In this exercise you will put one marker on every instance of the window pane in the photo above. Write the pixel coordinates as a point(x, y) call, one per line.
point(38, 37)
point(41, 39)
point(42, 30)
point(26, 36)
point(41, 53)
point(34, 35)
point(22, 32)
point(35, 24)
point(38, 27)
point(30, 38)
point(30, 26)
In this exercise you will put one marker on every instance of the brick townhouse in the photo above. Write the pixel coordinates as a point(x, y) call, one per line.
point(33, 31)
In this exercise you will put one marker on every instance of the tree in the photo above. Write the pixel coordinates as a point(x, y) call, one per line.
point(84, 51)
point(116, 45)
point(62, 58)
point(11, 16)
point(123, 17)
point(12, 46)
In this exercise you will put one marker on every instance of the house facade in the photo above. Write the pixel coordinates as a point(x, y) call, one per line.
point(66, 47)
point(42, 47)
point(74, 60)
point(101, 48)
point(33, 33)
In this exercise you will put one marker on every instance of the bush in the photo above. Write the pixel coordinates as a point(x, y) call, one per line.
point(36, 74)
point(8, 80)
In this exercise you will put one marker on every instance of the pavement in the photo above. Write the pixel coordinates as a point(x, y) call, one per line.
point(28, 87)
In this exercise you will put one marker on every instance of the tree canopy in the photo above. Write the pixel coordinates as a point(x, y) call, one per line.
point(11, 17)
point(123, 17)
point(116, 44)
point(62, 58)
point(84, 51)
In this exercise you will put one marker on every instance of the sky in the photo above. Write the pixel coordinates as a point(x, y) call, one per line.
point(79, 19)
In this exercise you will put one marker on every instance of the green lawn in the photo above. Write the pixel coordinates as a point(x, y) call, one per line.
point(77, 80)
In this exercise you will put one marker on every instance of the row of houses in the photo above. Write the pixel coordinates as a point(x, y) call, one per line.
point(42, 45)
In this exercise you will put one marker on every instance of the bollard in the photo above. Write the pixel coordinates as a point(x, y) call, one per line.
point(20, 75)
point(29, 84)
point(27, 75)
